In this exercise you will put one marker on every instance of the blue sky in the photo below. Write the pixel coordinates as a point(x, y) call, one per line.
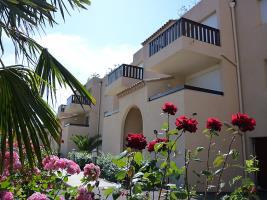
point(107, 34)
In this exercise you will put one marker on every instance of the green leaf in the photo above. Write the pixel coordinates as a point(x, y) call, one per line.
point(234, 180)
point(179, 194)
point(121, 162)
point(137, 188)
point(218, 161)
point(138, 158)
point(199, 149)
point(206, 173)
point(121, 175)
point(173, 132)
point(108, 191)
point(164, 126)
point(158, 146)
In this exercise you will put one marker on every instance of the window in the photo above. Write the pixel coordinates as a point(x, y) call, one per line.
point(263, 10)
point(211, 20)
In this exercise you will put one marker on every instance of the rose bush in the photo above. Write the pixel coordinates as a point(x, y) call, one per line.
point(142, 177)
point(141, 174)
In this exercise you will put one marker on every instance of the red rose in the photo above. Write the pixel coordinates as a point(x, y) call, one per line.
point(244, 122)
point(214, 124)
point(151, 145)
point(169, 108)
point(186, 124)
point(136, 141)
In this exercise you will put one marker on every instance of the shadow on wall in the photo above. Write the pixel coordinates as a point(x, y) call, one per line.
point(133, 123)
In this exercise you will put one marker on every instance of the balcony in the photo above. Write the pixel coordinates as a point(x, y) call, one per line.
point(74, 106)
point(123, 77)
point(185, 47)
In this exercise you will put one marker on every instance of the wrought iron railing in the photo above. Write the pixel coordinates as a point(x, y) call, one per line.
point(77, 99)
point(124, 70)
point(188, 28)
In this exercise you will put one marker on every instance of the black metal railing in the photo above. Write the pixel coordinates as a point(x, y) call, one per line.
point(188, 28)
point(75, 124)
point(61, 108)
point(78, 100)
point(124, 70)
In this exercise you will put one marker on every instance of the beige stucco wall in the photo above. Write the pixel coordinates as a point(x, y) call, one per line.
point(252, 40)
point(67, 133)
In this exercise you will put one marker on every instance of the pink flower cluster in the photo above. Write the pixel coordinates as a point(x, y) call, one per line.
point(91, 171)
point(55, 163)
point(38, 196)
point(84, 194)
point(5, 195)
point(16, 164)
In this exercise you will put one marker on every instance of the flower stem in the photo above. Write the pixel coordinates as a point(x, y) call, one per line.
point(208, 168)
point(223, 168)
point(165, 169)
point(186, 159)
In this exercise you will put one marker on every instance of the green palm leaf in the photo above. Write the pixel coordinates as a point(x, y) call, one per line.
point(53, 73)
point(24, 114)
point(85, 143)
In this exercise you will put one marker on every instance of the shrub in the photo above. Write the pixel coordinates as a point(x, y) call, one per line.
point(80, 157)
point(108, 168)
point(104, 161)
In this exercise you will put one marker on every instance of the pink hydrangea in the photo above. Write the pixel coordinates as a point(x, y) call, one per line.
point(36, 171)
point(37, 196)
point(72, 167)
point(6, 195)
point(91, 171)
point(61, 163)
point(16, 164)
point(49, 162)
point(84, 194)
point(54, 163)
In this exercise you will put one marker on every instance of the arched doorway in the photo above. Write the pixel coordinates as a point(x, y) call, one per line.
point(133, 123)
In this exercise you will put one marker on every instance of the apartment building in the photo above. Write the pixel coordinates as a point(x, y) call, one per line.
point(251, 25)
point(195, 62)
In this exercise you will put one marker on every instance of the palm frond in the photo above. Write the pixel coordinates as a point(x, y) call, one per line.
point(21, 19)
point(24, 115)
point(85, 143)
point(53, 73)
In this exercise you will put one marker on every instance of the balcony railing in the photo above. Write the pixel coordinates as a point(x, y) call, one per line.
point(74, 124)
point(78, 100)
point(61, 108)
point(124, 70)
point(188, 28)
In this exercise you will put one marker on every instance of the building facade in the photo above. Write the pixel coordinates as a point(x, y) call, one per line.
point(195, 62)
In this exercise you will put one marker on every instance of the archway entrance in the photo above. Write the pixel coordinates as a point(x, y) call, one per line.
point(133, 123)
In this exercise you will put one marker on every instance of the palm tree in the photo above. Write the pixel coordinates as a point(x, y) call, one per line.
point(85, 143)
point(25, 89)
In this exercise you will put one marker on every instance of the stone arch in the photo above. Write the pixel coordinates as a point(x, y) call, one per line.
point(133, 123)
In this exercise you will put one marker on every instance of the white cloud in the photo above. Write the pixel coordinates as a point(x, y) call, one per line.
point(82, 59)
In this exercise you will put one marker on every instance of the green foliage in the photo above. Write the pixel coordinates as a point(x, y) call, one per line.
point(86, 143)
point(25, 118)
point(80, 157)
point(108, 168)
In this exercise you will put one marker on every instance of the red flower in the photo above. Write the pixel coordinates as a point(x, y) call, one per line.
point(186, 124)
point(151, 145)
point(136, 141)
point(169, 108)
point(214, 124)
point(244, 122)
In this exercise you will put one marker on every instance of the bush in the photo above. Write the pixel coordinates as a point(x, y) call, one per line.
point(104, 161)
point(80, 157)
point(108, 168)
